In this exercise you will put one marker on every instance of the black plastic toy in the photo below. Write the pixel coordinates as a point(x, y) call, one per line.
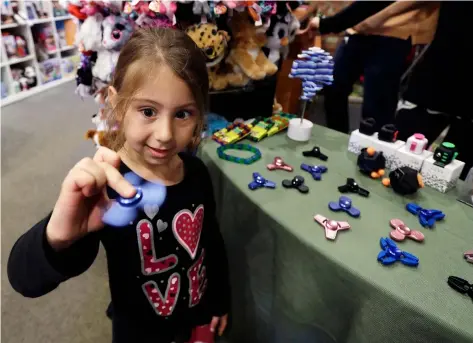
point(297, 182)
point(315, 152)
point(388, 133)
point(353, 187)
point(371, 162)
point(445, 154)
point(404, 180)
point(368, 126)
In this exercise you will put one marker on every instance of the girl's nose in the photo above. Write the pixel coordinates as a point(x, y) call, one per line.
point(163, 132)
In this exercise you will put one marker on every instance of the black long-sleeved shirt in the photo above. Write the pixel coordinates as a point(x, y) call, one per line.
point(168, 269)
point(351, 15)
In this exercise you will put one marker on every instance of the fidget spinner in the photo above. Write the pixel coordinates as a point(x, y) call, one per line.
point(353, 187)
point(278, 163)
point(468, 256)
point(344, 204)
point(461, 285)
point(390, 254)
point(125, 210)
point(260, 182)
point(315, 171)
point(298, 183)
point(401, 232)
point(315, 152)
point(427, 218)
point(331, 226)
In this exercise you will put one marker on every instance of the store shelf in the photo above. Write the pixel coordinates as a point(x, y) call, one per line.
point(39, 21)
point(67, 48)
point(65, 55)
point(17, 60)
point(10, 26)
point(64, 17)
point(38, 89)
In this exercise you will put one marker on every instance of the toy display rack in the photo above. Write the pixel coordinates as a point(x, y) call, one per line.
point(26, 31)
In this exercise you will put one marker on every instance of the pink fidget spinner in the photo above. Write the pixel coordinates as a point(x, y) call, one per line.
point(331, 226)
point(278, 163)
point(468, 256)
point(401, 231)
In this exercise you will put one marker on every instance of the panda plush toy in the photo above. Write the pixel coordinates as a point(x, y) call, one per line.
point(281, 32)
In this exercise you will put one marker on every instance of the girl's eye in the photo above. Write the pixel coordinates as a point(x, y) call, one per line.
point(183, 114)
point(148, 112)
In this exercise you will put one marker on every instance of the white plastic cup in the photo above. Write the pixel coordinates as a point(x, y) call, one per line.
point(300, 131)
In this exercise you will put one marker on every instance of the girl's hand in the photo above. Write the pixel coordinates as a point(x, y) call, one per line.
point(223, 324)
point(83, 199)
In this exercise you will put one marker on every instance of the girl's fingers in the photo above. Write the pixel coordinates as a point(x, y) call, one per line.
point(106, 155)
point(214, 323)
point(116, 181)
point(223, 325)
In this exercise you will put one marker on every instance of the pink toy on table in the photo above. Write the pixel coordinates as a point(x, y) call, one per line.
point(331, 226)
point(401, 232)
point(278, 163)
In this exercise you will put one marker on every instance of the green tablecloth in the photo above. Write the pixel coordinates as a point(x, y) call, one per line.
point(290, 284)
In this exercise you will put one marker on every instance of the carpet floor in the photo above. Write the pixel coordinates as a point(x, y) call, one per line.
point(42, 138)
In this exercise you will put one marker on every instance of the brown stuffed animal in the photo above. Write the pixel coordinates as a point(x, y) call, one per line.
point(213, 43)
point(246, 52)
point(98, 135)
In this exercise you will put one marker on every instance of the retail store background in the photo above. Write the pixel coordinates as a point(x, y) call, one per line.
point(42, 138)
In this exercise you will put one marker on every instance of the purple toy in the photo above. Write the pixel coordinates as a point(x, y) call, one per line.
point(124, 210)
point(315, 171)
point(344, 204)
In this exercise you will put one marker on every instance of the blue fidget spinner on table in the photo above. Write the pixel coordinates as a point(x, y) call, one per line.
point(427, 218)
point(125, 210)
point(260, 182)
point(344, 204)
point(390, 254)
point(315, 171)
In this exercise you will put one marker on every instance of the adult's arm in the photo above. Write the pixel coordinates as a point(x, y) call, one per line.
point(351, 15)
point(397, 8)
point(35, 269)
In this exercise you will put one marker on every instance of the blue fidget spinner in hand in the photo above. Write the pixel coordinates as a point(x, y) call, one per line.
point(125, 210)
point(260, 182)
point(315, 171)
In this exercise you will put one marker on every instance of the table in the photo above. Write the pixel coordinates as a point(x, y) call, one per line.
point(290, 284)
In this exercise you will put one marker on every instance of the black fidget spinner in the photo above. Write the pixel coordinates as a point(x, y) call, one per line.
point(353, 187)
point(298, 183)
point(315, 152)
point(460, 285)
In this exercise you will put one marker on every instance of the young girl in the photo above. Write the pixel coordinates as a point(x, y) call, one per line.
point(168, 269)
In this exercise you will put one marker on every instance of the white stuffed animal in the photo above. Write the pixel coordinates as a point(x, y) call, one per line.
point(90, 34)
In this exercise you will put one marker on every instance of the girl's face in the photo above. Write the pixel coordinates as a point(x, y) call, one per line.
point(161, 119)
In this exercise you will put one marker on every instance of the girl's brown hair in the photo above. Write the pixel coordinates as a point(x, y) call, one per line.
point(145, 52)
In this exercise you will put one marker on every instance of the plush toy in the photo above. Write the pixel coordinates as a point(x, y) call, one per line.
point(278, 36)
point(371, 162)
point(246, 52)
point(164, 7)
point(404, 180)
point(116, 32)
point(30, 76)
point(214, 45)
point(201, 8)
point(90, 33)
point(98, 135)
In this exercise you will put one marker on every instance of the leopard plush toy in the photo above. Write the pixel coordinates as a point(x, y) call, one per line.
point(214, 44)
